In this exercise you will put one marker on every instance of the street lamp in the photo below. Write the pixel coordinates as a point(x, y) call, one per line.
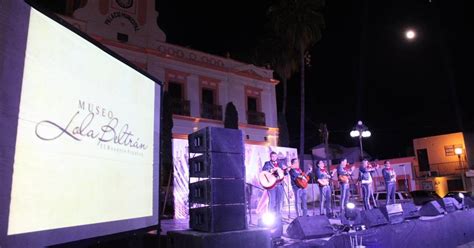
point(458, 152)
point(362, 131)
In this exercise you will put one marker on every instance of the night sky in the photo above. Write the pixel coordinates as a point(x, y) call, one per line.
point(363, 68)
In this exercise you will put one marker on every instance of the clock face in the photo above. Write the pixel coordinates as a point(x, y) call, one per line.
point(125, 3)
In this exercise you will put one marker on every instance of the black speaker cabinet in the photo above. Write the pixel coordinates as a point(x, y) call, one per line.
point(393, 213)
point(218, 165)
point(217, 191)
point(216, 139)
point(373, 217)
point(431, 208)
point(218, 218)
point(410, 211)
point(310, 227)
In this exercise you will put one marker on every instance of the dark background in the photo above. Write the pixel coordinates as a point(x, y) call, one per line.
point(363, 68)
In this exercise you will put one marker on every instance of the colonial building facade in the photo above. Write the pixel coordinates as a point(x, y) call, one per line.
point(199, 84)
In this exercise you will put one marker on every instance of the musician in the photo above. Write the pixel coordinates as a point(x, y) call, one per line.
point(324, 188)
point(365, 178)
point(343, 175)
point(275, 194)
point(390, 178)
point(296, 173)
point(371, 186)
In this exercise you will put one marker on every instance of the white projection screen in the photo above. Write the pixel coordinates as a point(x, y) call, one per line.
point(79, 135)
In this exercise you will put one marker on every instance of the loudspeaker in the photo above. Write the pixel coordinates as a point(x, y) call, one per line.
point(393, 213)
point(218, 218)
point(373, 217)
point(310, 227)
point(449, 204)
point(431, 208)
point(468, 202)
point(409, 210)
point(216, 139)
point(217, 191)
point(218, 165)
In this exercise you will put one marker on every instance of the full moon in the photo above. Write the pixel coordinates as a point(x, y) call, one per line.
point(410, 34)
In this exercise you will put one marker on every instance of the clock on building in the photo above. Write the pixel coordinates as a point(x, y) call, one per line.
point(125, 3)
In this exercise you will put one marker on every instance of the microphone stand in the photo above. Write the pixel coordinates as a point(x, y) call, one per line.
point(287, 195)
point(332, 197)
point(249, 200)
point(313, 178)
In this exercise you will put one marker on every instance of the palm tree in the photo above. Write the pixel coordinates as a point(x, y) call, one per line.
point(273, 51)
point(300, 24)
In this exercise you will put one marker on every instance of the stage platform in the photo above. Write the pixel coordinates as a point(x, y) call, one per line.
point(450, 230)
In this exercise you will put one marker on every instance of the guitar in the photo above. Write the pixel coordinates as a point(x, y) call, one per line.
point(347, 177)
point(269, 179)
point(344, 178)
point(302, 180)
point(323, 182)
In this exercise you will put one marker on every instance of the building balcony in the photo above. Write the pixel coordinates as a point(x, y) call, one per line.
point(256, 118)
point(180, 107)
point(442, 169)
point(211, 111)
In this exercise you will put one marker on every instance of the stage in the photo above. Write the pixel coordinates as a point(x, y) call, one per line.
point(450, 230)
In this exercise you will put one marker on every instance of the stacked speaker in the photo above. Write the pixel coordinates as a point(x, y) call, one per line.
point(217, 180)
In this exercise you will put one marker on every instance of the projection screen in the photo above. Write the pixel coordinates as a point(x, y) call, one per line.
point(79, 135)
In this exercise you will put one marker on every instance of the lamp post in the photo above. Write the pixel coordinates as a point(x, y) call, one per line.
point(362, 131)
point(458, 152)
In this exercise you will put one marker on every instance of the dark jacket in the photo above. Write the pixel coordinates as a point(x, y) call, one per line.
point(364, 174)
point(386, 175)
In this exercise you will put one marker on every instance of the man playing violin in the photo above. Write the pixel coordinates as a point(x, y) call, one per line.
point(390, 178)
point(275, 194)
point(300, 193)
point(343, 175)
point(365, 177)
point(324, 188)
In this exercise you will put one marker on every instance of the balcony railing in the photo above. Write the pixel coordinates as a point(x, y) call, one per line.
point(442, 169)
point(256, 118)
point(211, 111)
point(180, 106)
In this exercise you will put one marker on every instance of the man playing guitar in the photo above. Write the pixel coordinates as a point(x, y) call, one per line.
point(299, 190)
point(275, 193)
point(343, 175)
point(390, 178)
point(324, 188)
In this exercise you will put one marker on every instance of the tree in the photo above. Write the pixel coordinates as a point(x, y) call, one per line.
point(231, 119)
point(274, 52)
point(300, 24)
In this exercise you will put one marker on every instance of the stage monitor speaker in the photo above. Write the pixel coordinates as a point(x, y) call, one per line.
point(468, 202)
point(218, 165)
point(431, 208)
point(310, 227)
point(393, 213)
point(217, 191)
point(216, 139)
point(373, 217)
point(218, 218)
point(449, 204)
point(410, 211)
